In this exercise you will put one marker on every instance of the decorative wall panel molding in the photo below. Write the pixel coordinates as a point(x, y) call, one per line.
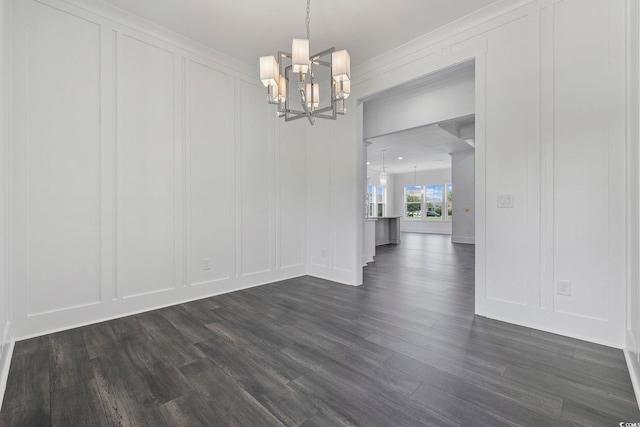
point(63, 195)
point(143, 171)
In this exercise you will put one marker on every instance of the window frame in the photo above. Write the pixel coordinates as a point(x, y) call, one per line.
point(413, 188)
point(444, 203)
point(383, 203)
point(374, 206)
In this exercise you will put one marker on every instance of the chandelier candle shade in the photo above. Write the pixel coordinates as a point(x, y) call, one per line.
point(293, 77)
point(300, 55)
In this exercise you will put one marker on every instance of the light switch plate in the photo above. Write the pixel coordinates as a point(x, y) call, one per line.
point(564, 288)
point(505, 200)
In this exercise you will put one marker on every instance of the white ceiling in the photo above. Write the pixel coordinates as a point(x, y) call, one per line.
point(248, 29)
point(426, 147)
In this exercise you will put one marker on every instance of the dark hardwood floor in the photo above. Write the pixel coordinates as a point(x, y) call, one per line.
point(404, 349)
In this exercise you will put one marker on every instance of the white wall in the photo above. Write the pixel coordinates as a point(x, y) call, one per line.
point(446, 97)
point(137, 158)
point(463, 178)
point(5, 305)
point(550, 128)
point(427, 177)
point(632, 352)
point(334, 241)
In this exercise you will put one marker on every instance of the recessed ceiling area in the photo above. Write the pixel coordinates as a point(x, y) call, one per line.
point(248, 29)
point(426, 147)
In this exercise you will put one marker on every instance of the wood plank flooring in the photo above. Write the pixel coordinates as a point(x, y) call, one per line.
point(404, 349)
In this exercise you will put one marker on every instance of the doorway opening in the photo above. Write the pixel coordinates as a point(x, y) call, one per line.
point(419, 141)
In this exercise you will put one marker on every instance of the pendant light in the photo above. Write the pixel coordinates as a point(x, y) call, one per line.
point(384, 176)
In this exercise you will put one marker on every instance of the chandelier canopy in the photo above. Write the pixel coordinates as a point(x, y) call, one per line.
point(299, 77)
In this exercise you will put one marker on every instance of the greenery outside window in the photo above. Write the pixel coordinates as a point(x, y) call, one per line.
point(413, 205)
point(450, 202)
point(433, 202)
point(429, 202)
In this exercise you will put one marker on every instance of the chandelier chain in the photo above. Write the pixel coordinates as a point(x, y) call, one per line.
point(308, 19)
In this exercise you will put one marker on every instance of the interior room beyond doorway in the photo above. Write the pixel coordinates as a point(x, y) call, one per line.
point(419, 141)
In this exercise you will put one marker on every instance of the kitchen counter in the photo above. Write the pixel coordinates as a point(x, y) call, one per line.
point(387, 230)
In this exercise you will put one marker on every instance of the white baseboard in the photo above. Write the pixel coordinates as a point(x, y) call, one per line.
point(5, 365)
point(634, 368)
point(48, 323)
point(463, 239)
point(335, 275)
point(425, 231)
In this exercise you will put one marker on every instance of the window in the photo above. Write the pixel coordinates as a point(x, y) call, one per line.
point(413, 197)
point(370, 199)
point(381, 201)
point(429, 202)
point(433, 202)
point(377, 199)
point(450, 201)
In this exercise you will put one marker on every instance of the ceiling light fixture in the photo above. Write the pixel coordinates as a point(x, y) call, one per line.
point(384, 176)
point(303, 71)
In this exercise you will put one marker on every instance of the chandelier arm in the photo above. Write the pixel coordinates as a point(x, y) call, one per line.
point(323, 53)
point(321, 110)
point(325, 116)
point(295, 117)
point(296, 112)
point(323, 63)
point(303, 101)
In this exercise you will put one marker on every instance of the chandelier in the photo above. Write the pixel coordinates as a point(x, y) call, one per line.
point(301, 76)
